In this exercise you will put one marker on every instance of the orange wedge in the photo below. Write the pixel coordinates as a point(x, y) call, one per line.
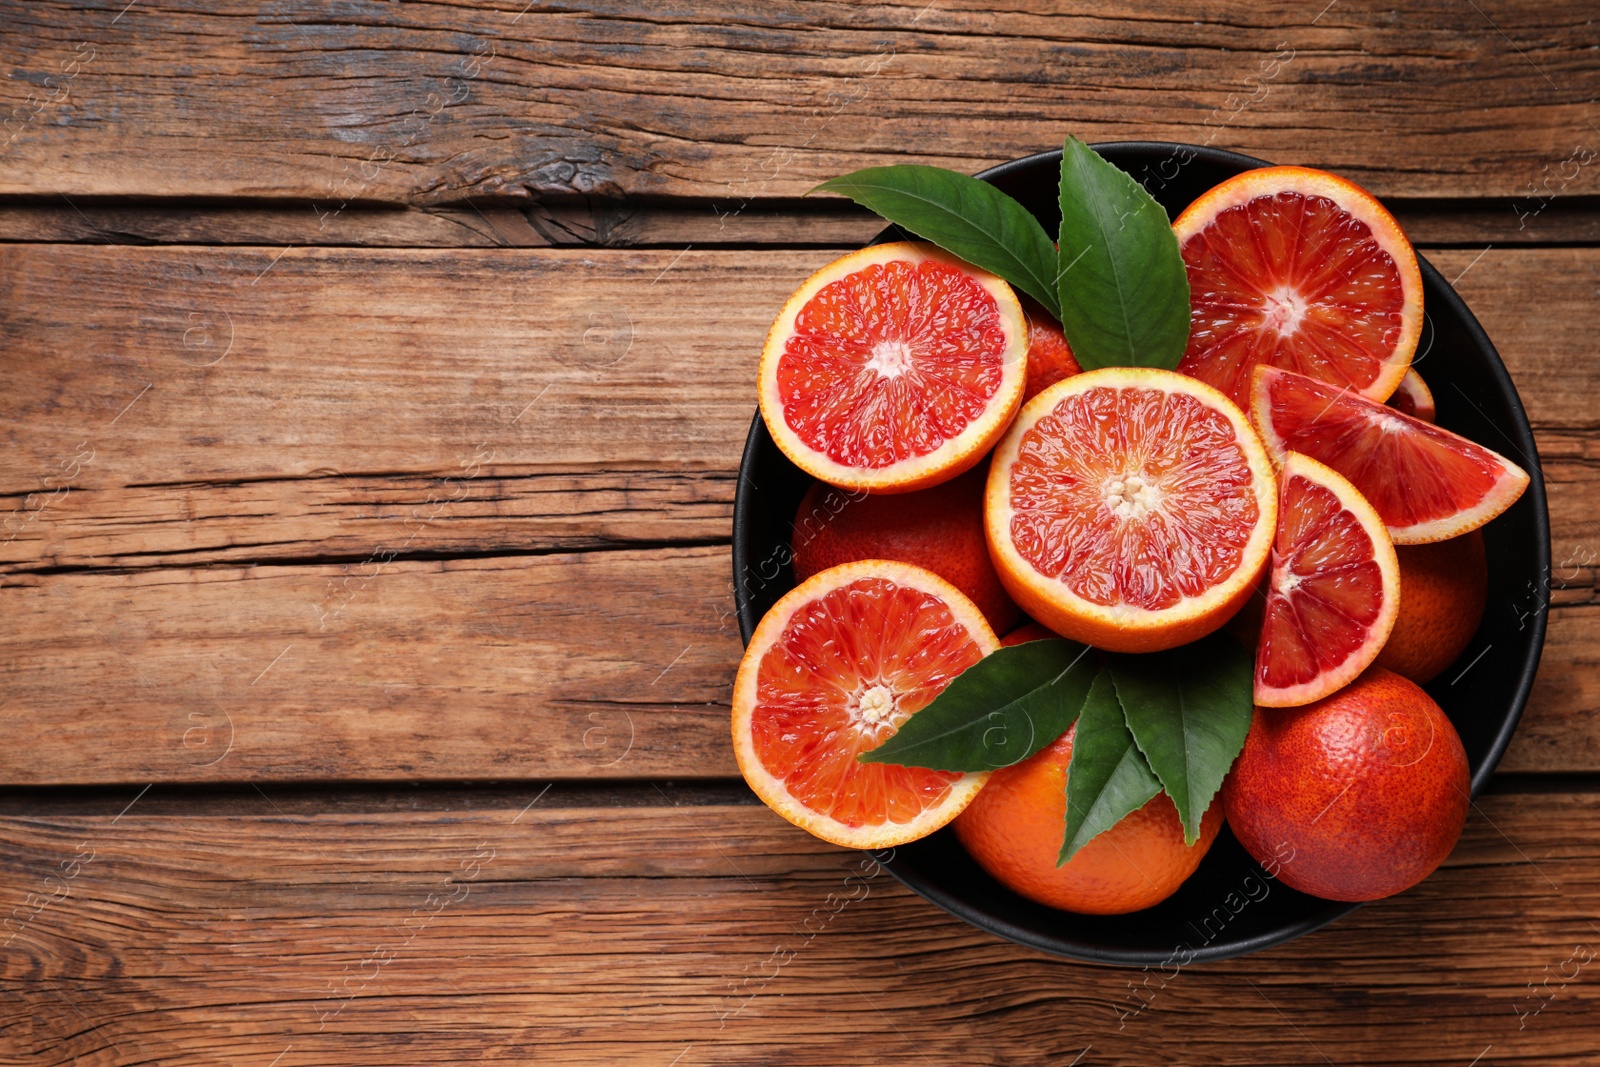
point(1333, 589)
point(1427, 483)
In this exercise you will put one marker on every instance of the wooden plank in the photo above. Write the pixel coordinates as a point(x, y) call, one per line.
point(830, 222)
point(1558, 731)
point(199, 405)
point(605, 664)
point(593, 222)
point(372, 417)
point(427, 104)
point(349, 518)
point(718, 934)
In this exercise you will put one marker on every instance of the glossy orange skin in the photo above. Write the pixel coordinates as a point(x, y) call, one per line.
point(939, 528)
point(1443, 589)
point(1014, 828)
point(1357, 796)
point(1050, 358)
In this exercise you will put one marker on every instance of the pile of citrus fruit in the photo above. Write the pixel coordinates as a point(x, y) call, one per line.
point(1195, 455)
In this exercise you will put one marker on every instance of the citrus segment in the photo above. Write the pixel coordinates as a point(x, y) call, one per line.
point(1333, 591)
point(1298, 268)
point(893, 368)
point(1414, 398)
point(1130, 508)
point(832, 671)
point(1427, 483)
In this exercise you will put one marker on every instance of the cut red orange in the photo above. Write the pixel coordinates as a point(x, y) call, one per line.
point(1333, 590)
point(1130, 508)
point(1414, 398)
point(1427, 483)
point(833, 670)
point(894, 368)
point(1297, 268)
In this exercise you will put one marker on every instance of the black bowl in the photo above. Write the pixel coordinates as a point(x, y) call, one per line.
point(1228, 907)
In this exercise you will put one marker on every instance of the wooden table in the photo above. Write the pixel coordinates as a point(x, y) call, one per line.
point(375, 376)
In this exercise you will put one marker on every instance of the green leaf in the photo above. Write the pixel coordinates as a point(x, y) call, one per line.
point(966, 217)
point(1002, 709)
point(1107, 777)
point(1124, 292)
point(1189, 710)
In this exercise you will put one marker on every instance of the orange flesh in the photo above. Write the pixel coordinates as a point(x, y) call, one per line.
point(1326, 590)
point(890, 362)
point(1411, 471)
point(1132, 496)
point(815, 695)
point(1294, 281)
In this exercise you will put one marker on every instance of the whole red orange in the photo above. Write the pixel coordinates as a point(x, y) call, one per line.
point(939, 528)
point(1443, 589)
point(1357, 796)
point(1050, 358)
point(1015, 824)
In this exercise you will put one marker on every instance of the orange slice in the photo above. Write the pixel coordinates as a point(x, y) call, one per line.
point(833, 670)
point(1333, 590)
point(894, 368)
point(1414, 398)
point(1427, 483)
point(1297, 268)
point(1130, 508)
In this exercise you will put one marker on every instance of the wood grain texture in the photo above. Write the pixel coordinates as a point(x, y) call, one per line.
point(601, 664)
point(595, 222)
point(195, 405)
point(426, 104)
point(366, 452)
point(720, 934)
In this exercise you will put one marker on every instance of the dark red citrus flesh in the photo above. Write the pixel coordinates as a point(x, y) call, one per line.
point(890, 362)
point(1357, 796)
point(1409, 470)
point(806, 727)
point(1326, 589)
point(1294, 281)
point(1187, 511)
point(940, 529)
